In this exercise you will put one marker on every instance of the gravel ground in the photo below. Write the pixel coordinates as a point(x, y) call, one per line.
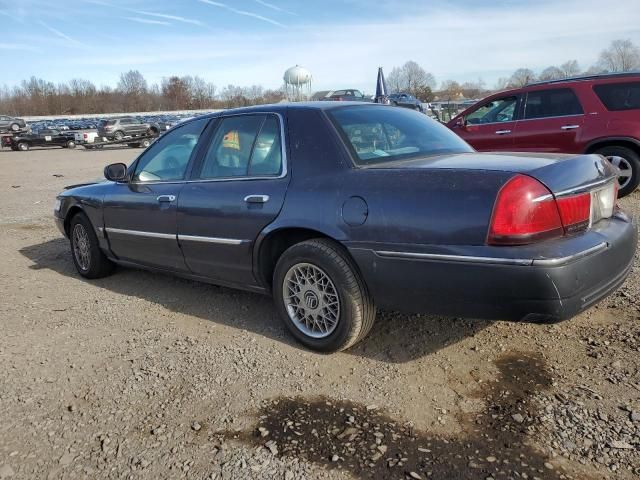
point(147, 376)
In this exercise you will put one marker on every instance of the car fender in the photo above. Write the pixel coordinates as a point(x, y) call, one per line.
point(608, 140)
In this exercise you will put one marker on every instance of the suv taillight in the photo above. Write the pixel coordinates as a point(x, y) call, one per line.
point(526, 212)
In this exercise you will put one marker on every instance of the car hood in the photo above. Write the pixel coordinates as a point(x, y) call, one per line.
point(558, 172)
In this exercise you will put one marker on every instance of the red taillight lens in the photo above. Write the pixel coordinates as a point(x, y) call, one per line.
point(85, 136)
point(525, 212)
point(575, 211)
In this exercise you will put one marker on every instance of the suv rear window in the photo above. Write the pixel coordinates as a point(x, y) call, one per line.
point(619, 96)
point(557, 102)
point(376, 134)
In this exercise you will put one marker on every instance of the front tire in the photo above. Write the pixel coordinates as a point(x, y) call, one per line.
point(14, 127)
point(321, 297)
point(23, 146)
point(628, 161)
point(87, 256)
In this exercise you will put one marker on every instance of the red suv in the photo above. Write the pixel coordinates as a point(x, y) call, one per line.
point(597, 114)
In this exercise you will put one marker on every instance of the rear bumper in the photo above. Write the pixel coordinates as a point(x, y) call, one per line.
point(531, 288)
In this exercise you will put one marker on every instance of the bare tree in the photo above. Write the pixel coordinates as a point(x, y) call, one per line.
point(133, 87)
point(522, 77)
point(551, 73)
point(451, 90)
point(570, 68)
point(411, 78)
point(621, 56)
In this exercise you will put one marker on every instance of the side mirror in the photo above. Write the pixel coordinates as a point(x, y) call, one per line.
point(461, 122)
point(116, 172)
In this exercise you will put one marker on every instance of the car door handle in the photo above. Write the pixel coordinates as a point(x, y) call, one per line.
point(166, 198)
point(570, 127)
point(256, 198)
point(502, 132)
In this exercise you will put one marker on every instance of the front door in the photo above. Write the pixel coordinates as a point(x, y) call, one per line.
point(552, 122)
point(140, 216)
point(237, 189)
point(490, 127)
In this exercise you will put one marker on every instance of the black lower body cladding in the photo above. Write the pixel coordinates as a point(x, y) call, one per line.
point(526, 289)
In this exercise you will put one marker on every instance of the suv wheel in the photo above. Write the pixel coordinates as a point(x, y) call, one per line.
point(628, 162)
point(119, 135)
point(321, 297)
point(15, 127)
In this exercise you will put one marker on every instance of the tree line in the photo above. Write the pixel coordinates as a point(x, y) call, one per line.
point(133, 94)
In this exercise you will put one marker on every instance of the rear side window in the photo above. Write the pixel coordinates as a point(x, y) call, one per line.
point(557, 102)
point(619, 96)
point(244, 145)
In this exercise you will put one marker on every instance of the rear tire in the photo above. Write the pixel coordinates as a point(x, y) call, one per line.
point(71, 144)
point(87, 256)
point(321, 297)
point(119, 135)
point(14, 127)
point(23, 146)
point(628, 161)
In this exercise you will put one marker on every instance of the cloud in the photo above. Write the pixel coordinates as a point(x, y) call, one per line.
point(147, 21)
point(59, 34)
point(274, 7)
point(242, 12)
point(171, 17)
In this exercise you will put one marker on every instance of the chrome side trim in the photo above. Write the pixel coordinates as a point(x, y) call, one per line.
point(545, 262)
point(138, 233)
point(552, 262)
point(585, 188)
point(455, 258)
point(221, 241)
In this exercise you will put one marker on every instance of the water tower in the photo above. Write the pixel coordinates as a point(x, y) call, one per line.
point(297, 83)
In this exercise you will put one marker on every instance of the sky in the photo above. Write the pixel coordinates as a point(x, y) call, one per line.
point(342, 43)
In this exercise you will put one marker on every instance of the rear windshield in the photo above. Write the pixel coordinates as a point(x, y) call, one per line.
point(385, 134)
point(619, 96)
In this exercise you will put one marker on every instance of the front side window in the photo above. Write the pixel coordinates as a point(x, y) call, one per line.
point(619, 96)
point(385, 134)
point(244, 145)
point(558, 102)
point(496, 111)
point(168, 158)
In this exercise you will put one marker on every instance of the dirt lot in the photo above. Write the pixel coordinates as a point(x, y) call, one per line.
point(146, 376)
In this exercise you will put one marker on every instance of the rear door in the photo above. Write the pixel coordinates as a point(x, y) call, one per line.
point(552, 121)
point(490, 127)
point(236, 190)
point(140, 216)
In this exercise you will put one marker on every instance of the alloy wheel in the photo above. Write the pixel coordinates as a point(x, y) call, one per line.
point(624, 176)
point(311, 300)
point(81, 247)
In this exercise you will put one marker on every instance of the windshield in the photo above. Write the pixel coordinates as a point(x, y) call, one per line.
point(383, 134)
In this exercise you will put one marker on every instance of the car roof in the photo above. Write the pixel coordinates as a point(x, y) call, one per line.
point(283, 107)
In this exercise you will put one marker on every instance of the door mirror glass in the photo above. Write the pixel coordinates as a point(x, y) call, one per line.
point(461, 122)
point(116, 172)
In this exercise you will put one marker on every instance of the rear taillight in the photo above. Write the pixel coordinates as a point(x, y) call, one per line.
point(85, 135)
point(575, 211)
point(525, 212)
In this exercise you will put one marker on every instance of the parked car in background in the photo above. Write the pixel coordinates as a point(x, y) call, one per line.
point(336, 208)
point(11, 124)
point(44, 138)
point(406, 100)
point(593, 114)
point(349, 95)
point(120, 127)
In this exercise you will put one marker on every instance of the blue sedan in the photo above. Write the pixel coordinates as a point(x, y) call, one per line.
point(339, 208)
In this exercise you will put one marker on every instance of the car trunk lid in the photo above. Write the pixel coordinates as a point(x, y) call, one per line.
point(558, 172)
